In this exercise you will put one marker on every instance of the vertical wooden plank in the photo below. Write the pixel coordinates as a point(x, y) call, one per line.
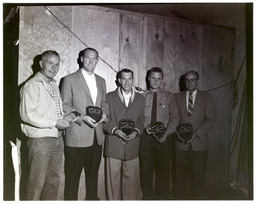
point(155, 43)
point(100, 30)
point(217, 70)
point(130, 44)
point(183, 51)
point(143, 54)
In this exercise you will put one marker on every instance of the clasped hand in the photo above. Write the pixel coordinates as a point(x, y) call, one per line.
point(90, 121)
point(150, 132)
point(126, 138)
point(194, 136)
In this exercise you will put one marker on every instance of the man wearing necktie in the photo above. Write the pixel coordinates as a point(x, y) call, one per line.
point(194, 107)
point(155, 152)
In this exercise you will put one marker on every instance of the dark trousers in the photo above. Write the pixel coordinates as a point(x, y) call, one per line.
point(154, 158)
point(77, 159)
point(190, 173)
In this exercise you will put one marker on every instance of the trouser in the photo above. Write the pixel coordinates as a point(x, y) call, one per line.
point(155, 158)
point(77, 159)
point(190, 173)
point(122, 179)
point(45, 164)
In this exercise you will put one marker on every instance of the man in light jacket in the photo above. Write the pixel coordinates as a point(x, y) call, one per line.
point(41, 114)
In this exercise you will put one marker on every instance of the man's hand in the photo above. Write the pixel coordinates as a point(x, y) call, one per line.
point(89, 121)
point(194, 137)
point(162, 139)
point(62, 124)
point(120, 133)
point(132, 135)
point(103, 118)
point(148, 130)
point(178, 135)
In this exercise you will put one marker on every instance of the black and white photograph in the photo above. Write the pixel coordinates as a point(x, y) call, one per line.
point(127, 101)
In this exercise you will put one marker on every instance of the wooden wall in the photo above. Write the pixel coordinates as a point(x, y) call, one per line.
point(138, 42)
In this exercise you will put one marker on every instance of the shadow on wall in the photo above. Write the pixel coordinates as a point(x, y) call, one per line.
point(182, 84)
point(23, 148)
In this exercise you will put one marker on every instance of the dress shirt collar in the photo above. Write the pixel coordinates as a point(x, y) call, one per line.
point(121, 96)
point(193, 93)
point(158, 91)
point(44, 78)
point(87, 75)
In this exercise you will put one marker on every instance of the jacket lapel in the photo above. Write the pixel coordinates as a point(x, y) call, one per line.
point(100, 89)
point(197, 102)
point(183, 103)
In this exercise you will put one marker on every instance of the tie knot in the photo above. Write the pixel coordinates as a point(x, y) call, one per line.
point(190, 93)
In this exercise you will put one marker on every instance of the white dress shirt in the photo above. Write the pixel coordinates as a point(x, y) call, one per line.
point(91, 82)
point(127, 98)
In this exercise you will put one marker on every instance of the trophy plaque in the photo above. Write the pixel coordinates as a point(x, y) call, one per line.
point(185, 132)
point(94, 112)
point(127, 126)
point(71, 116)
point(158, 129)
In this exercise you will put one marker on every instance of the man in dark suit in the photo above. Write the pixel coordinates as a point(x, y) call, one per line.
point(84, 138)
point(194, 107)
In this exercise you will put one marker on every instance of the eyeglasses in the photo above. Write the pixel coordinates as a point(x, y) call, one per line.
point(192, 80)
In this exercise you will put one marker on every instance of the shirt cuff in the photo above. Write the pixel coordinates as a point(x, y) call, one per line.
point(137, 130)
point(113, 130)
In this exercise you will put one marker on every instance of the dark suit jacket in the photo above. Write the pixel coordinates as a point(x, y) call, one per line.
point(115, 147)
point(202, 119)
point(76, 95)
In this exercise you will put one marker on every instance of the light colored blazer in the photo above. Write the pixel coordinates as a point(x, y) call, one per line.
point(76, 95)
point(202, 119)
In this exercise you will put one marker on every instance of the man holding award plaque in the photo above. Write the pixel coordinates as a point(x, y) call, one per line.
point(43, 123)
point(84, 102)
point(196, 112)
point(123, 129)
point(161, 119)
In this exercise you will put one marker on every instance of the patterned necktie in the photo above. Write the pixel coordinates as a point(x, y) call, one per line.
point(154, 109)
point(190, 104)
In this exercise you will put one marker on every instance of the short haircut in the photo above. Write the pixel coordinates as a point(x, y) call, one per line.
point(89, 49)
point(49, 52)
point(194, 72)
point(125, 71)
point(155, 69)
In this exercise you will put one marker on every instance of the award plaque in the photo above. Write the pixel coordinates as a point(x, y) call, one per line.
point(127, 126)
point(71, 116)
point(94, 112)
point(158, 129)
point(185, 132)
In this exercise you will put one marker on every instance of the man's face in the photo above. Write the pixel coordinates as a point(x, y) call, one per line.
point(126, 80)
point(50, 65)
point(89, 60)
point(155, 80)
point(191, 81)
